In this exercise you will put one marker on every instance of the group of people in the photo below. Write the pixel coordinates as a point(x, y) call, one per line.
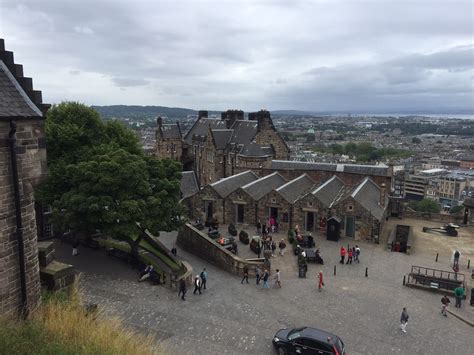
point(445, 301)
point(199, 282)
point(271, 226)
point(353, 254)
point(262, 276)
point(268, 243)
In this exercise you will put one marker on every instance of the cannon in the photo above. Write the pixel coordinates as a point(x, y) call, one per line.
point(450, 229)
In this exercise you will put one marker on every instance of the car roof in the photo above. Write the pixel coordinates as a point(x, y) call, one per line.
point(320, 335)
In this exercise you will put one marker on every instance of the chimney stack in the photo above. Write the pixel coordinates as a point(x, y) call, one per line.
point(202, 114)
point(382, 195)
point(230, 116)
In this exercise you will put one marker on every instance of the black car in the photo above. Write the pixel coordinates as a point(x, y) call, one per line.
point(307, 341)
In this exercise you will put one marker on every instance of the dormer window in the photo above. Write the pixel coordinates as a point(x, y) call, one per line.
point(350, 208)
point(310, 204)
point(274, 200)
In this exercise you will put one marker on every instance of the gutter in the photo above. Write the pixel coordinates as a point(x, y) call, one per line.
point(19, 221)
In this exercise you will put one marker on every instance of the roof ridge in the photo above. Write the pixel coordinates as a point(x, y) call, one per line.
point(262, 178)
point(232, 176)
point(291, 181)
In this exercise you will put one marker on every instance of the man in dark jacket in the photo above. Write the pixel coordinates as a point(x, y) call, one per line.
point(246, 274)
point(404, 320)
point(444, 304)
point(459, 294)
point(182, 289)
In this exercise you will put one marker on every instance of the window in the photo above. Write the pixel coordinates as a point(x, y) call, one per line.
point(310, 204)
point(350, 208)
point(274, 200)
point(48, 230)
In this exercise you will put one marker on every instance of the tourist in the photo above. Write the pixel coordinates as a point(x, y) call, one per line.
point(258, 248)
point(257, 274)
point(146, 273)
point(349, 258)
point(75, 247)
point(459, 294)
point(204, 278)
point(297, 229)
point(277, 279)
point(456, 257)
point(266, 275)
point(197, 285)
point(343, 255)
point(273, 246)
point(182, 289)
point(174, 251)
point(246, 274)
point(444, 304)
point(282, 246)
point(404, 320)
point(303, 253)
point(259, 227)
point(357, 254)
point(320, 280)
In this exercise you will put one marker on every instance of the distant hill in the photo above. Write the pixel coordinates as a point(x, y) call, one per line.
point(126, 111)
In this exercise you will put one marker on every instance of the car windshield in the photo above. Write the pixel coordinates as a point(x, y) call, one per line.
point(340, 345)
point(295, 333)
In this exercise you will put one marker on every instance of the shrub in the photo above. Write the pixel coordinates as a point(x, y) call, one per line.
point(244, 237)
point(232, 230)
point(291, 236)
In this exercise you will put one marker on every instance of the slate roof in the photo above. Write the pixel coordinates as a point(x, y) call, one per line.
point(379, 170)
point(367, 194)
point(14, 102)
point(259, 188)
point(189, 185)
point(222, 137)
point(224, 187)
point(244, 131)
point(201, 126)
point(252, 149)
point(468, 158)
point(328, 191)
point(171, 131)
point(293, 189)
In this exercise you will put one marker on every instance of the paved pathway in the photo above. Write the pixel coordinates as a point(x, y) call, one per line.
point(231, 318)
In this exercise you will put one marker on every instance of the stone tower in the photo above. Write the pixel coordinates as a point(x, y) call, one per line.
point(22, 166)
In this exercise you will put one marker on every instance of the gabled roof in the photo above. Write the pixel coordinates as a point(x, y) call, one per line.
point(327, 192)
point(171, 131)
point(14, 102)
point(367, 194)
point(259, 188)
point(224, 187)
point(201, 126)
point(293, 189)
point(244, 131)
point(379, 170)
point(222, 137)
point(252, 149)
point(189, 185)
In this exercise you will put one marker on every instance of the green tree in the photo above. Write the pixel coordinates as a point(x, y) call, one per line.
point(428, 206)
point(100, 179)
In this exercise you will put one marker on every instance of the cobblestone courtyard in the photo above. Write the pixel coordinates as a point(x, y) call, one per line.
point(231, 318)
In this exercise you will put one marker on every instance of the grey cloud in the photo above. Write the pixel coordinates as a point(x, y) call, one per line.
point(127, 82)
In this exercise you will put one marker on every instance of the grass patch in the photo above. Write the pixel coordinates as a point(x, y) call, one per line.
point(62, 326)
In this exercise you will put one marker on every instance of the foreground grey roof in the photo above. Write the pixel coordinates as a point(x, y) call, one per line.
point(259, 188)
point(171, 131)
point(328, 191)
point(379, 170)
point(201, 126)
point(14, 102)
point(224, 187)
point(189, 185)
point(367, 194)
point(293, 189)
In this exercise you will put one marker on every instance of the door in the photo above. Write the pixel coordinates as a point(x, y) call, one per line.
point(208, 208)
point(350, 227)
point(239, 213)
point(309, 223)
point(273, 212)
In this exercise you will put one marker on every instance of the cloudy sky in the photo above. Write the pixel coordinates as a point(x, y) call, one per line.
point(348, 55)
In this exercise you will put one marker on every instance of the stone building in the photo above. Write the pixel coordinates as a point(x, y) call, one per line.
point(217, 148)
point(243, 205)
point(22, 166)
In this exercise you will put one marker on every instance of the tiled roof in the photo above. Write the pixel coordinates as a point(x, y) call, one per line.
point(252, 149)
point(224, 187)
point(171, 131)
point(259, 188)
point(222, 137)
point(201, 126)
point(379, 170)
point(293, 189)
point(244, 131)
point(367, 194)
point(189, 185)
point(327, 192)
point(14, 102)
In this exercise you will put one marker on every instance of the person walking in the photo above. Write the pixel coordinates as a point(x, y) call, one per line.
point(182, 289)
point(266, 275)
point(457, 255)
point(257, 274)
point(459, 294)
point(246, 274)
point(349, 258)
point(273, 246)
point(404, 320)
point(204, 278)
point(259, 249)
point(174, 251)
point(282, 246)
point(357, 254)
point(277, 279)
point(75, 247)
point(320, 280)
point(197, 285)
point(444, 305)
point(259, 227)
point(343, 255)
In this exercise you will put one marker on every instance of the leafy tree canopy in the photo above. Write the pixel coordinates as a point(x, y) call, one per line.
point(426, 205)
point(99, 177)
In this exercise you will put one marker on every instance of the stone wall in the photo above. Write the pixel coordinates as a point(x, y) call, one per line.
point(309, 203)
point(169, 148)
point(31, 160)
point(208, 195)
point(197, 243)
point(274, 199)
point(240, 197)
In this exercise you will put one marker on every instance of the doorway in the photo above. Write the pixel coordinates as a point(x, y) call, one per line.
point(208, 210)
point(350, 227)
point(309, 221)
point(239, 213)
point(273, 212)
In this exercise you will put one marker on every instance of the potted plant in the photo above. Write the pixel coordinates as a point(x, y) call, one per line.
point(232, 230)
point(244, 237)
